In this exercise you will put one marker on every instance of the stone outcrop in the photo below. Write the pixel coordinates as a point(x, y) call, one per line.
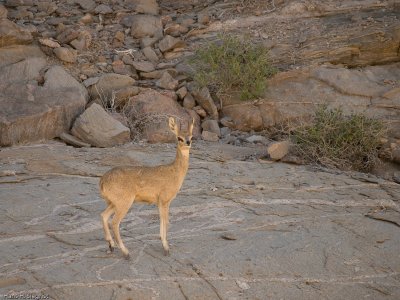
point(96, 127)
point(12, 34)
point(203, 97)
point(32, 110)
point(152, 109)
point(373, 91)
point(108, 84)
point(146, 25)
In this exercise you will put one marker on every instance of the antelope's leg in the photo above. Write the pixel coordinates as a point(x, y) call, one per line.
point(120, 213)
point(105, 215)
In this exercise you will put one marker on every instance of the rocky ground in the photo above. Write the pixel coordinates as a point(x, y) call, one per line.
point(241, 228)
point(97, 74)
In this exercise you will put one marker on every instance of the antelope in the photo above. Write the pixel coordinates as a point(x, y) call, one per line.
point(121, 186)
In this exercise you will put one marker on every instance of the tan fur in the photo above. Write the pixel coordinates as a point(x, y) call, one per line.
point(159, 185)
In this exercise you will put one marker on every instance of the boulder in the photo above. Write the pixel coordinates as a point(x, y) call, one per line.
point(143, 6)
point(108, 84)
point(146, 25)
point(278, 150)
point(211, 126)
point(188, 101)
point(72, 140)
point(150, 111)
point(32, 112)
point(204, 99)
point(182, 92)
point(16, 53)
point(3, 12)
point(122, 96)
point(169, 43)
point(209, 136)
point(175, 29)
point(96, 127)
point(87, 5)
point(245, 116)
point(150, 54)
point(167, 82)
point(12, 34)
point(293, 96)
point(144, 66)
point(103, 9)
point(66, 54)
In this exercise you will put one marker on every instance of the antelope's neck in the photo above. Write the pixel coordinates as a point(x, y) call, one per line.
point(181, 162)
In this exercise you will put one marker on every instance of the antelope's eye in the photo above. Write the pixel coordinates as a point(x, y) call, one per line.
point(180, 139)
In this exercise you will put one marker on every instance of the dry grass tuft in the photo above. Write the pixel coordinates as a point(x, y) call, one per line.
point(335, 140)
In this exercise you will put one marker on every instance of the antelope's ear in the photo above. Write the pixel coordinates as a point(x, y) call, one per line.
point(191, 127)
point(172, 125)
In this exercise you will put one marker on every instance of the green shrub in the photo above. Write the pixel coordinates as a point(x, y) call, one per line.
point(345, 142)
point(233, 64)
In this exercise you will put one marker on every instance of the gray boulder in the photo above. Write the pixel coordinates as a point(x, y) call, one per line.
point(96, 127)
point(32, 112)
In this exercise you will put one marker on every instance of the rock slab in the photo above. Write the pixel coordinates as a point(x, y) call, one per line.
point(96, 127)
point(32, 112)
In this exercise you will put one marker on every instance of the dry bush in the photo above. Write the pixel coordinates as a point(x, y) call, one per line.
point(335, 140)
point(233, 64)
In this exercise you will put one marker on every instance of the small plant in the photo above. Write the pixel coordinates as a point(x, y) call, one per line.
point(233, 64)
point(344, 142)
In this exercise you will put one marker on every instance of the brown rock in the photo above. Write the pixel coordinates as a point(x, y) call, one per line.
point(120, 68)
point(203, 19)
point(103, 9)
point(146, 25)
point(16, 3)
point(30, 112)
point(3, 12)
point(245, 116)
point(144, 66)
point(109, 84)
point(200, 111)
point(122, 96)
point(175, 30)
point(151, 110)
point(182, 92)
point(12, 34)
point(67, 35)
point(203, 98)
point(96, 127)
point(15, 53)
point(66, 54)
point(169, 43)
point(144, 6)
point(150, 54)
point(47, 7)
point(49, 43)
point(148, 41)
point(87, 19)
point(209, 136)
point(87, 4)
point(189, 102)
point(278, 150)
point(211, 126)
point(72, 140)
point(167, 82)
point(169, 93)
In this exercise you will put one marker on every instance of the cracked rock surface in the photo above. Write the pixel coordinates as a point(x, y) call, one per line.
point(241, 228)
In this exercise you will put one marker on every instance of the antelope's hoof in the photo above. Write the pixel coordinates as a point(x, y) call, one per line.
point(166, 252)
point(127, 256)
point(111, 248)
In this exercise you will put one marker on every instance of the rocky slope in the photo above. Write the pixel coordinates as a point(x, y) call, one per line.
point(131, 54)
